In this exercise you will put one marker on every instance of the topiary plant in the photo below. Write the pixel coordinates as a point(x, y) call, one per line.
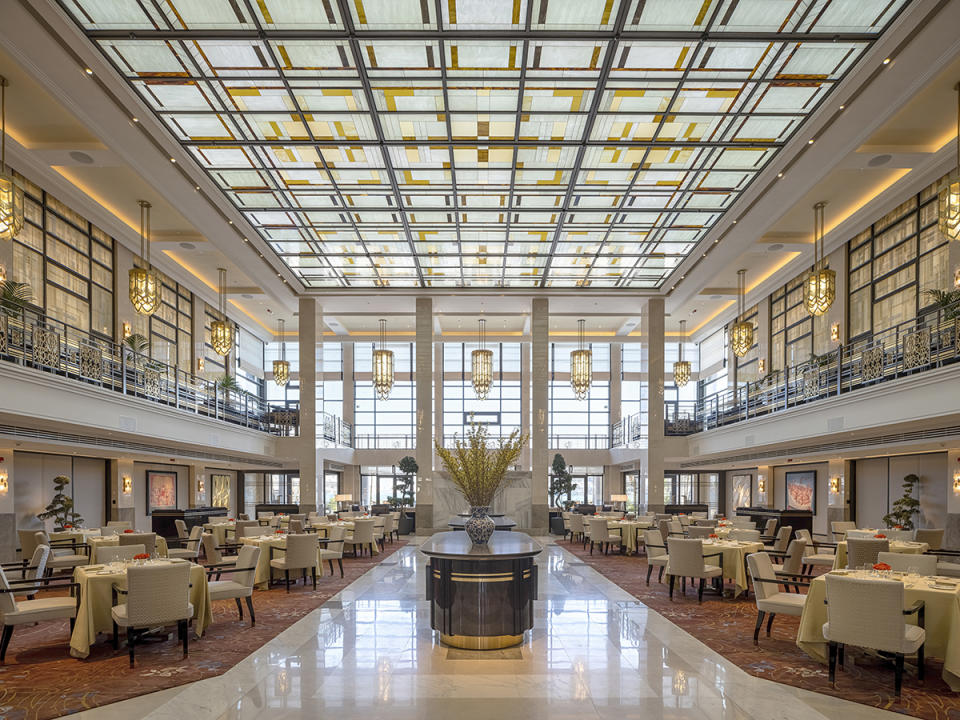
point(561, 483)
point(404, 485)
point(905, 507)
point(61, 506)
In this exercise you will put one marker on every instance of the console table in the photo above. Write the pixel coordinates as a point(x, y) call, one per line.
point(797, 519)
point(481, 596)
point(162, 521)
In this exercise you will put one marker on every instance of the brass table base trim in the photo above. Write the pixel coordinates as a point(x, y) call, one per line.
point(491, 642)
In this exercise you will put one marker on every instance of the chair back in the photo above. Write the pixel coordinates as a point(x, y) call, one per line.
point(866, 612)
point(653, 541)
point(931, 536)
point(863, 551)
point(770, 529)
point(210, 550)
point(599, 529)
point(109, 530)
point(302, 517)
point(664, 526)
point(158, 594)
point(336, 534)
point(122, 524)
point(576, 523)
point(29, 542)
point(744, 522)
point(663, 516)
point(909, 562)
point(839, 528)
point(389, 524)
point(148, 540)
point(783, 538)
point(705, 522)
point(295, 527)
point(793, 562)
point(696, 531)
point(686, 557)
point(193, 539)
point(243, 516)
point(38, 565)
point(684, 520)
point(301, 550)
point(362, 531)
point(242, 524)
point(248, 557)
point(901, 535)
point(804, 535)
point(744, 535)
point(699, 515)
point(8, 603)
point(676, 527)
point(761, 568)
point(251, 531)
point(181, 529)
point(119, 553)
point(264, 515)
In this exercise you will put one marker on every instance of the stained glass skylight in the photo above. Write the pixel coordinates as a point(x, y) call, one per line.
point(497, 143)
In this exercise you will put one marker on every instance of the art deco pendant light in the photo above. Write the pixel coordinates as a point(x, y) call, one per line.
point(681, 368)
point(221, 331)
point(11, 194)
point(146, 287)
point(950, 195)
point(481, 365)
point(281, 368)
point(581, 366)
point(741, 335)
point(383, 366)
point(820, 289)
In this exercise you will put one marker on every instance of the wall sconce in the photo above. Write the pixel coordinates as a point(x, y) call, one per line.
point(956, 278)
point(761, 483)
point(201, 487)
point(3, 273)
point(127, 330)
point(200, 364)
point(4, 482)
point(762, 365)
point(835, 485)
point(127, 484)
point(956, 482)
point(835, 332)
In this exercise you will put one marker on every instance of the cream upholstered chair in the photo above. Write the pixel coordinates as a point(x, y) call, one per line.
point(302, 517)
point(931, 536)
point(389, 527)
point(121, 525)
point(115, 553)
point(792, 559)
point(601, 535)
point(744, 535)
point(770, 529)
point(362, 536)
point(299, 554)
point(688, 561)
point(191, 546)
point(863, 551)
point(908, 562)
point(29, 612)
point(656, 550)
point(869, 613)
point(333, 548)
point(576, 526)
point(252, 531)
point(240, 586)
point(704, 522)
point(212, 553)
point(32, 569)
point(156, 595)
point(295, 527)
point(812, 558)
point(766, 589)
point(566, 523)
point(782, 540)
point(396, 524)
point(182, 531)
point(696, 531)
point(265, 515)
point(148, 540)
point(28, 542)
point(63, 559)
point(241, 525)
point(378, 524)
point(744, 522)
point(839, 528)
point(670, 528)
point(684, 520)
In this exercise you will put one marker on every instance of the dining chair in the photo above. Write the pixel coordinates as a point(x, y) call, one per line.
point(684, 520)
point(696, 531)
point(698, 515)
point(240, 586)
point(668, 528)
point(705, 522)
point(28, 542)
point(182, 531)
point(767, 594)
point(863, 551)
point(148, 540)
point(62, 559)
point(791, 560)
point(361, 537)
point(115, 553)
point(770, 529)
point(302, 517)
point(32, 569)
point(252, 531)
point(662, 516)
point(265, 515)
point(243, 516)
point(600, 534)
point(687, 560)
point(389, 527)
point(576, 526)
point(839, 529)
point(213, 553)
point(378, 524)
point(656, 550)
point(241, 525)
point(156, 595)
point(744, 522)
point(869, 613)
point(295, 527)
point(744, 535)
point(191, 546)
point(396, 524)
point(931, 536)
point(910, 562)
point(782, 540)
point(299, 554)
point(333, 549)
point(811, 557)
point(15, 612)
point(120, 524)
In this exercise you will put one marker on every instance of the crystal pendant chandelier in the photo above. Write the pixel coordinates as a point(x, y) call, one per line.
point(681, 368)
point(741, 335)
point(950, 195)
point(820, 289)
point(221, 331)
point(481, 365)
point(581, 366)
point(383, 366)
point(281, 368)
point(11, 194)
point(146, 287)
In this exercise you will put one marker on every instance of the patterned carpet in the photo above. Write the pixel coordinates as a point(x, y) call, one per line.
point(726, 626)
point(40, 680)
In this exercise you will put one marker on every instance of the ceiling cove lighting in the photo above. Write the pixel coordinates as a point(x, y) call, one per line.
point(581, 366)
point(741, 335)
point(383, 365)
point(11, 194)
point(820, 289)
point(950, 195)
point(221, 331)
point(281, 368)
point(146, 287)
point(681, 368)
point(481, 364)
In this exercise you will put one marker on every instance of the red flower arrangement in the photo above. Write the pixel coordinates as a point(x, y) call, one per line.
point(881, 566)
point(278, 532)
point(229, 519)
point(128, 530)
point(898, 527)
point(68, 526)
point(880, 536)
point(142, 556)
point(714, 536)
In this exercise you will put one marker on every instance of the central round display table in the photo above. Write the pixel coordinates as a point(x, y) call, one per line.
point(481, 596)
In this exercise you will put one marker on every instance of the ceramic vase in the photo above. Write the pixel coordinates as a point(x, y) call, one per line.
point(479, 525)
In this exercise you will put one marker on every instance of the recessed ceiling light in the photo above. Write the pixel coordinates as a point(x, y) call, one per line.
point(229, 222)
point(842, 107)
point(88, 71)
point(734, 222)
point(780, 174)
point(135, 119)
point(886, 61)
point(810, 141)
point(173, 160)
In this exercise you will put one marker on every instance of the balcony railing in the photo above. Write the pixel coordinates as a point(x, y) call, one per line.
point(42, 343)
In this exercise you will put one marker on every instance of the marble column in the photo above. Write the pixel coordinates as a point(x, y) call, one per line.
point(122, 491)
point(652, 331)
point(540, 406)
point(612, 477)
point(525, 414)
point(349, 396)
point(311, 384)
point(8, 516)
point(423, 385)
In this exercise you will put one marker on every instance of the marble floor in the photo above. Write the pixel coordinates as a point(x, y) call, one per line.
point(594, 653)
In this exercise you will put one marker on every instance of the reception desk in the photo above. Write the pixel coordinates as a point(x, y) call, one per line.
point(481, 596)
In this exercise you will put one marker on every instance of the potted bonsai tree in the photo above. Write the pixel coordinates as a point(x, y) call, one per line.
point(904, 508)
point(404, 497)
point(561, 484)
point(61, 506)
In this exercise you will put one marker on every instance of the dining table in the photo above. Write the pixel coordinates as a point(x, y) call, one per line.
point(629, 532)
point(95, 541)
point(896, 546)
point(321, 528)
point(264, 573)
point(219, 530)
point(734, 559)
point(96, 600)
point(941, 597)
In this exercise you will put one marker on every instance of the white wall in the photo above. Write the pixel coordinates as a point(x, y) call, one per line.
point(880, 483)
point(33, 486)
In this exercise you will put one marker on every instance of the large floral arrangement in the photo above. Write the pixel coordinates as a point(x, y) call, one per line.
point(477, 466)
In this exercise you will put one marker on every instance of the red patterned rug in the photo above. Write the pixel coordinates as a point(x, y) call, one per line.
point(40, 680)
point(726, 626)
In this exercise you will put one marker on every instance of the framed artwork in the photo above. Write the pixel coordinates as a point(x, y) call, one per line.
point(742, 491)
point(161, 490)
point(221, 490)
point(801, 491)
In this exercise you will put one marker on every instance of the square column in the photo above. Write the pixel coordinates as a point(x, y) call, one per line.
point(423, 386)
point(311, 388)
point(9, 540)
point(540, 409)
point(651, 323)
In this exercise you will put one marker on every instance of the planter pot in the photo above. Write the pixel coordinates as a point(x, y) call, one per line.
point(479, 526)
point(406, 525)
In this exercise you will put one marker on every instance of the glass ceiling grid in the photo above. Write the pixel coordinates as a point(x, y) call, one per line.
point(503, 143)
